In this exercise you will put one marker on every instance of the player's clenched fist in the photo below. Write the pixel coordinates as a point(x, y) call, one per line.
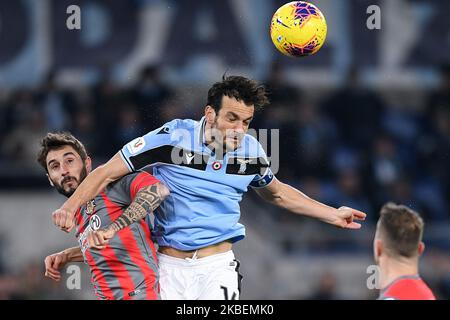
point(64, 219)
point(98, 239)
point(53, 263)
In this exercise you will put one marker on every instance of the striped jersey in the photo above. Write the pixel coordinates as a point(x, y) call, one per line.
point(205, 187)
point(127, 267)
point(407, 288)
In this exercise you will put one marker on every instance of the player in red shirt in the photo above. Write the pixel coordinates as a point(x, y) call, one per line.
point(397, 248)
point(125, 267)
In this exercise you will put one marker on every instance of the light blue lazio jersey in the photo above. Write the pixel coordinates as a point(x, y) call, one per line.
point(206, 188)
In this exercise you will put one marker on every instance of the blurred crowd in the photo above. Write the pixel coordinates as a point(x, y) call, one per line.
point(353, 147)
point(349, 146)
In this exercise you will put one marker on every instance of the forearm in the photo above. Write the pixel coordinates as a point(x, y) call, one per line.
point(146, 201)
point(297, 202)
point(92, 185)
point(73, 254)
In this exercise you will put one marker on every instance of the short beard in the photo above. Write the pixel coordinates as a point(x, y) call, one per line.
point(69, 193)
point(218, 140)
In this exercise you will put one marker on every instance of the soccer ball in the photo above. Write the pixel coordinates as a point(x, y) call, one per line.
point(298, 29)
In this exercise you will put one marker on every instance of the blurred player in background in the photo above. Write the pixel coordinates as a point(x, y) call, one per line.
point(125, 267)
point(397, 248)
point(207, 165)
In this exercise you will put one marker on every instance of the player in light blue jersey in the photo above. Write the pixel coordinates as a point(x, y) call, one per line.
point(207, 166)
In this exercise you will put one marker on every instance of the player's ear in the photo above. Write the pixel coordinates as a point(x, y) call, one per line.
point(210, 114)
point(88, 164)
point(421, 248)
point(378, 248)
point(50, 180)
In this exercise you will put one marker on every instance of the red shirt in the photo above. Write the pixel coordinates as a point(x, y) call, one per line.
point(407, 288)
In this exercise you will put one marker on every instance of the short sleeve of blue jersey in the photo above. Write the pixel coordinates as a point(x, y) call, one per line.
point(137, 153)
point(264, 179)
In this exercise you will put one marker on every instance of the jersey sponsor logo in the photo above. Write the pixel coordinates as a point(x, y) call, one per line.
point(136, 145)
point(134, 293)
point(189, 157)
point(95, 222)
point(82, 240)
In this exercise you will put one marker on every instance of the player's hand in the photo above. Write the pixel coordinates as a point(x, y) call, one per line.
point(64, 219)
point(53, 263)
point(100, 238)
point(345, 218)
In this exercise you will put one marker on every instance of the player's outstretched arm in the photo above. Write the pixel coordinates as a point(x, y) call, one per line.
point(54, 262)
point(146, 200)
point(92, 185)
point(291, 199)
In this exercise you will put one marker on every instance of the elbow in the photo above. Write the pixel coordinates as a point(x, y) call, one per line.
point(275, 199)
point(105, 174)
point(279, 198)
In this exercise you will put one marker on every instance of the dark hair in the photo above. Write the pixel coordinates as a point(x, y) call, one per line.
point(57, 140)
point(240, 88)
point(401, 229)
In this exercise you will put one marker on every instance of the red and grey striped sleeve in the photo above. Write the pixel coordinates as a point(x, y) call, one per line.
point(141, 180)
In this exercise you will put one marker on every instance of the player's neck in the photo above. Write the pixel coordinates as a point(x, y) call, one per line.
point(392, 269)
point(208, 137)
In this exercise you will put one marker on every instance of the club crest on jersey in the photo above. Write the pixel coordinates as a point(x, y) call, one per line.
point(95, 222)
point(136, 145)
point(90, 206)
point(216, 165)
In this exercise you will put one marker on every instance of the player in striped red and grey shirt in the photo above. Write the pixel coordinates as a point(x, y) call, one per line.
point(126, 266)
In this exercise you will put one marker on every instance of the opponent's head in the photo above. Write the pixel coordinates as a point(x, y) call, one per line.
point(65, 160)
point(230, 108)
point(399, 234)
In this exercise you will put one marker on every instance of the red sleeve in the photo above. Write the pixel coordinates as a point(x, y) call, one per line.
point(410, 289)
point(143, 179)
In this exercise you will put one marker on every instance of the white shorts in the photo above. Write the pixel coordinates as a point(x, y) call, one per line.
point(213, 277)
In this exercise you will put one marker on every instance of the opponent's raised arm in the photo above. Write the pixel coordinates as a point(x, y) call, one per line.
point(93, 184)
point(146, 200)
point(289, 198)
